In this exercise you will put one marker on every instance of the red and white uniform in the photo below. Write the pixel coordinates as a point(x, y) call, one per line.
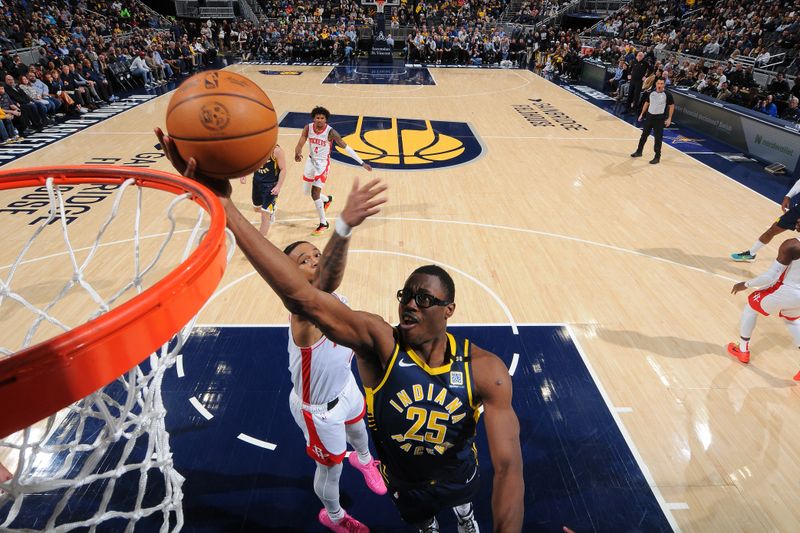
point(321, 374)
point(315, 172)
point(782, 297)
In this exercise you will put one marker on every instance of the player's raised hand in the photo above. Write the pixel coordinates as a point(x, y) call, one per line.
point(222, 188)
point(363, 202)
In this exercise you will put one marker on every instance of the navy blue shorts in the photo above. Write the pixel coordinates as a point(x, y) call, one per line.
point(421, 502)
point(262, 195)
point(788, 220)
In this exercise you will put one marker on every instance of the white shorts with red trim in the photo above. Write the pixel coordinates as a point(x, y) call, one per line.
point(777, 298)
point(315, 173)
point(324, 430)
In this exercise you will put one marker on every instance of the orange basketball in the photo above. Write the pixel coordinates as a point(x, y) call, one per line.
point(223, 120)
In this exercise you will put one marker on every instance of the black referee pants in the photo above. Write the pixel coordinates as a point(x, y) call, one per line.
point(654, 123)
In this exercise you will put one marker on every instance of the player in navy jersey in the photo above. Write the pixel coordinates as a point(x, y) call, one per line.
point(267, 183)
point(416, 369)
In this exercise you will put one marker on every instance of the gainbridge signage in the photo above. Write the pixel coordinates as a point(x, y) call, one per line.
point(405, 144)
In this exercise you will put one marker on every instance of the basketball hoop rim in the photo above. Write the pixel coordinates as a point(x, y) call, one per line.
point(42, 379)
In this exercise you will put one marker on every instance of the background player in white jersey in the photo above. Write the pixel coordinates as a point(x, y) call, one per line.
point(320, 136)
point(789, 219)
point(780, 295)
point(326, 402)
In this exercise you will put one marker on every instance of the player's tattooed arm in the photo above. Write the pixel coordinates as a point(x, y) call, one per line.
point(337, 139)
point(361, 204)
point(332, 263)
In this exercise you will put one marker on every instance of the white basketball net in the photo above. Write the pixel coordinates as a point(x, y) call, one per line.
point(111, 446)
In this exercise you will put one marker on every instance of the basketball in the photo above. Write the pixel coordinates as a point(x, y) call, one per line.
point(223, 120)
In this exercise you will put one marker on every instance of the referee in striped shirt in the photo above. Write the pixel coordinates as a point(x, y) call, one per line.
point(658, 110)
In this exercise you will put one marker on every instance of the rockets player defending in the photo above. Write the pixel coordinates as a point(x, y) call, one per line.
point(326, 402)
point(320, 138)
point(780, 295)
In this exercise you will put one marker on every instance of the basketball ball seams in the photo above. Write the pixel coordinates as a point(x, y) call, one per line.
point(213, 128)
point(204, 95)
point(230, 138)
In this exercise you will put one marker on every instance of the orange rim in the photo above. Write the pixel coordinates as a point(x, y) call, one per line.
point(39, 380)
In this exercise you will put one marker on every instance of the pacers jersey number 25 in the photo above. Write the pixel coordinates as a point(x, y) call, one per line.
point(423, 419)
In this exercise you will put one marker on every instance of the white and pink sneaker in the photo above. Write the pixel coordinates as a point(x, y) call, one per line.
point(348, 524)
point(372, 477)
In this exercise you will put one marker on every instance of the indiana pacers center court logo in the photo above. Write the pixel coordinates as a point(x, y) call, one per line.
point(400, 143)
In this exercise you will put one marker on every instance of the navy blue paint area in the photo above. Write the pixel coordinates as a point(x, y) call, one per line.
point(399, 143)
point(750, 173)
point(372, 75)
point(578, 468)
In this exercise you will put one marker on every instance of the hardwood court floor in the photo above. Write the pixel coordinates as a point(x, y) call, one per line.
point(550, 224)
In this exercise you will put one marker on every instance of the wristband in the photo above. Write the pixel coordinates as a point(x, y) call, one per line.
point(342, 229)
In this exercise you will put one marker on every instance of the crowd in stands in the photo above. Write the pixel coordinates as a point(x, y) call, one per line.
point(90, 50)
point(729, 82)
point(719, 35)
point(298, 41)
point(472, 44)
point(454, 13)
point(336, 11)
point(768, 31)
point(534, 11)
point(83, 54)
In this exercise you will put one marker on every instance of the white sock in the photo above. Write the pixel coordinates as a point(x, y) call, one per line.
point(324, 197)
point(364, 457)
point(337, 516)
point(321, 211)
point(746, 326)
point(326, 487)
point(744, 345)
point(756, 247)
point(463, 510)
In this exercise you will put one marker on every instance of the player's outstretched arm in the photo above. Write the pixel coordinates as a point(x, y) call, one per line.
point(363, 332)
point(337, 139)
point(493, 385)
point(359, 206)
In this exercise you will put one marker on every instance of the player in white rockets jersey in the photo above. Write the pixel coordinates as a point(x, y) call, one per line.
point(325, 401)
point(320, 136)
point(779, 294)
